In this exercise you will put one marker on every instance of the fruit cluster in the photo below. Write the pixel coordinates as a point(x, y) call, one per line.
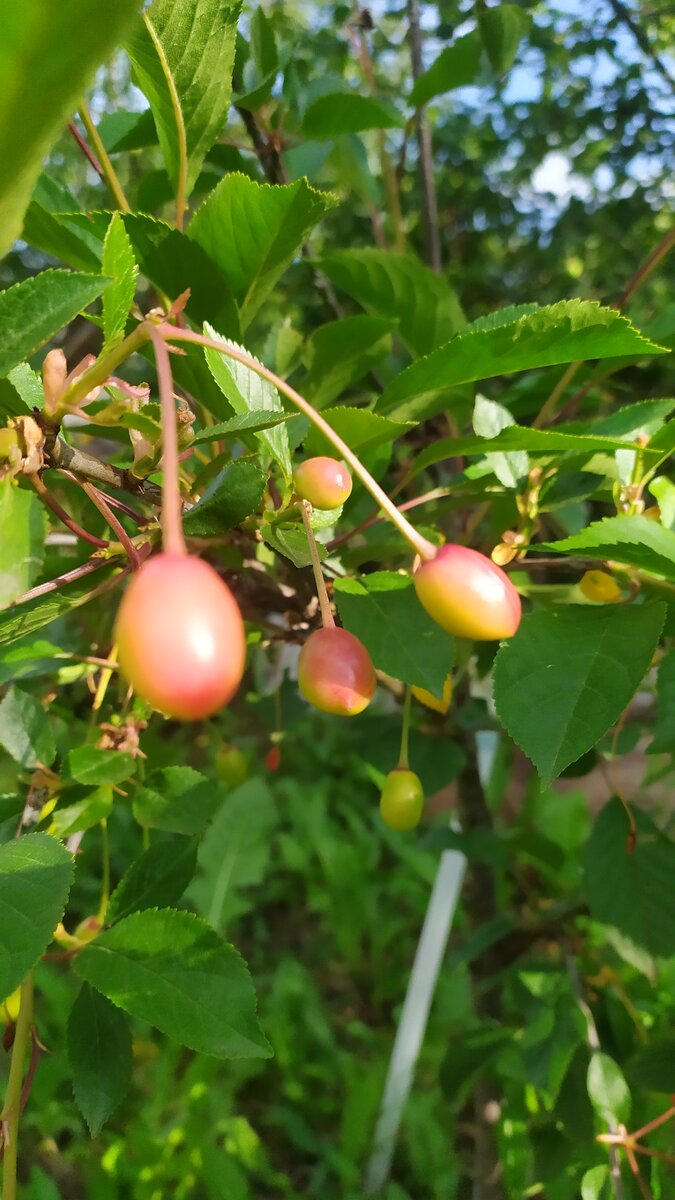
point(182, 645)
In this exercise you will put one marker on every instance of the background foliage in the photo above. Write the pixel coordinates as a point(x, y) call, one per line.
point(294, 142)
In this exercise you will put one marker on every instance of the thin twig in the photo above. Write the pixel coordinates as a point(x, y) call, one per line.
point(636, 280)
point(429, 197)
point(60, 512)
point(86, 150)
point(100, 500)
point(105, 167)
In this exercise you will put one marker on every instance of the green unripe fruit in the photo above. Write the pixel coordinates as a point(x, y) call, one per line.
point(325, 482)
point(9, 440)
point(468, 594)
point(232, 766)
point(401, 800)
point(335, 672)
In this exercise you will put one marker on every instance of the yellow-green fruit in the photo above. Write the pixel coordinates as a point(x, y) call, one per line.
point(600, 587)
point(401, 800)
point(9, 440)
point(430, 701)
point(232, 766)
point(9, 1008)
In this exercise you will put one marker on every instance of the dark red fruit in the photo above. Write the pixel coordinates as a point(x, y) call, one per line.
point(180, 637)
point(273, 758)
point(325, 482)
point(335, 672)
point(468, 594)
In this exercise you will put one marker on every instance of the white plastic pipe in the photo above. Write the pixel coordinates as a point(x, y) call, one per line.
point(420, 992)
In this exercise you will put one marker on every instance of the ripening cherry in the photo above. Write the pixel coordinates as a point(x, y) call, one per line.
point(438, 704)
point(600, 587)
point(335, 672)
point(180, 637)
point(401, 800)
point(468, 594)
point(325, 482)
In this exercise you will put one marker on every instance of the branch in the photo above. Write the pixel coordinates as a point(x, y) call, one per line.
point(627, 18)
point(429, 198)
point(67, 458)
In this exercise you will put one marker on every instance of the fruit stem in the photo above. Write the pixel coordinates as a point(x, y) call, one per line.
point(403, 761)
point(99, 372)
point(172, 528)
point(420, 544)
point(324, 602)
point(9, 1117)
point(107, 170)
point(100, 501)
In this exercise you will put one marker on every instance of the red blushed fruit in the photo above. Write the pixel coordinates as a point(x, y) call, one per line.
point(325, 482)
point(180, 637)
point(335, 672)
point(468, 594)
point(273, 758)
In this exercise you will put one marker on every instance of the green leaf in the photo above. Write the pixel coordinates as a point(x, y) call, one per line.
point(19, 620)
point(183, 54)
point(25, 731)
point(470, 1053)
point(653, 1067)
point(596, 1184)
point(291, 541)
point(636, 541)
point(247, 392)
point(29, 658)
point(120, 266)
point(99, 1053)
point(401, 289)
point(607, 1089)
point(456, 66)
point(249, 422)
point(171, 969)
point(489, 419)
point(76, 818)
point(235, 493)
point(157, 879)
point(48, 53)
point(341, 352)
point(93, 767)
point(382, 610)
point(543, 337)
point(348, 112)
point(51, 231)
point(234, 854)
point(663, 741)
point(515, 439)
point(502, 30)
point(35, 877)
point(35, 309)
point(358, 427)
point(177, 800)
point(632, 890)
point(252, 231)
point(123, 130)
point(23, 521)
point(568, 674)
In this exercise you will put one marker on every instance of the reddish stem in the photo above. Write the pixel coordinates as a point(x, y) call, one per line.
point(100, 500)
point(172, 528)
point(61, 513)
